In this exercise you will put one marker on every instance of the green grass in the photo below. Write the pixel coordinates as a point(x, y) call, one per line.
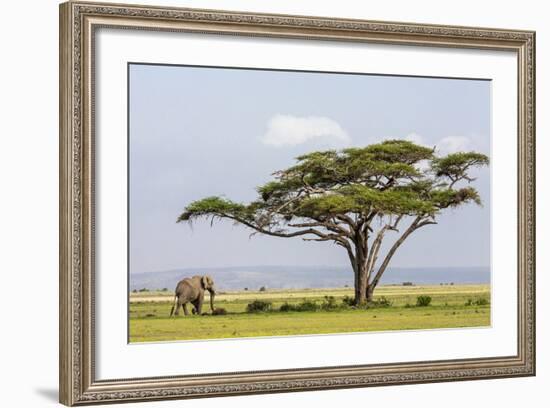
point(150, 321)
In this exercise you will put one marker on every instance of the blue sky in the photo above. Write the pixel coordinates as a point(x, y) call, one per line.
point(196, 132)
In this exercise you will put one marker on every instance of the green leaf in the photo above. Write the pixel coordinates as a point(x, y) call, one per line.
point(456, 165)
point(211, 206)
point(381, 178)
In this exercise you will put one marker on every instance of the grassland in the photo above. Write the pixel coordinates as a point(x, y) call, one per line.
point(451, 306)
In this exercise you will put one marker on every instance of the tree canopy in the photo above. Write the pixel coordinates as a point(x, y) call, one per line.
point(335, 195)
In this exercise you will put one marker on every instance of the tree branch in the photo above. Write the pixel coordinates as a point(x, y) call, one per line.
point(347, 219)
point(417, 223)
point(373, 254)
point(322, 237)
point(320, 223)
point(270, 232)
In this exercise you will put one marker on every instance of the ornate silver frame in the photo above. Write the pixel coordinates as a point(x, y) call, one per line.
point(78, 21)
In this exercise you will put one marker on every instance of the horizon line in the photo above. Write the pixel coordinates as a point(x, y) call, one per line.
point(299, 266)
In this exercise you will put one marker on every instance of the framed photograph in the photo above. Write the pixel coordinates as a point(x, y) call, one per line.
point(255, 203)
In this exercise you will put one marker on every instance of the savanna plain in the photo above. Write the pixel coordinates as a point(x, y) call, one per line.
point(272, 312)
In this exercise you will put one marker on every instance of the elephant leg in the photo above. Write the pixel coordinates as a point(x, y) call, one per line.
point(198, 306)
point(185, 311)
point(177, 309)
point(195, 307)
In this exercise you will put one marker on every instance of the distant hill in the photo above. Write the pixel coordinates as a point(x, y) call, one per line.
point(287, 277)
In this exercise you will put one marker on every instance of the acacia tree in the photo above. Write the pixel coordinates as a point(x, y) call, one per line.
point(354, 197)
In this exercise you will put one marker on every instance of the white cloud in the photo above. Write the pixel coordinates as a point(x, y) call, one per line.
point(288, 130)
point(423, 165)
point(445, 146)
point(415, 138)
point(453, 144)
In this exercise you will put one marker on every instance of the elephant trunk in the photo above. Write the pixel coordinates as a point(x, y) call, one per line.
point(212, 295)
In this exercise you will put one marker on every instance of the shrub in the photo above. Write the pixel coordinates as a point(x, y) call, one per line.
point(287, 307)
point(423, 300)
point(329, 303)
point(381, 302)
point(408, 284)
point(477, 302)
point(258, 306)
point(304, 306)
point(263, 289)
point(164, 289)
point(408, 305)
point(348, 301)
point(219, 311)
point(144, 290)
point(308, 306)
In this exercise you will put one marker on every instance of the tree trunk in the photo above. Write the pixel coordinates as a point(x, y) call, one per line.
point(361, 283)
point(360, 296)
point(369, 293)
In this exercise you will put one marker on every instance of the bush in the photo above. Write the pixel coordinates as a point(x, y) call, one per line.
point(423, 300)
point(258, 306)
point(287, 307)
point(219, 311)
point(164, 289)
point(408, 284)
point(307, 306)
point(263, 289)
point(144, 290)
point(304, 306)
point(348, 301)
point(381, 302)
point(477, 302)
point(329, 303)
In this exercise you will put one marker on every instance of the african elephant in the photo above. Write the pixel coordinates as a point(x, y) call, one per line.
point(191, 290)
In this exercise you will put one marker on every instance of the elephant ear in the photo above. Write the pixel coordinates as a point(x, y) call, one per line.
point(204, 282)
